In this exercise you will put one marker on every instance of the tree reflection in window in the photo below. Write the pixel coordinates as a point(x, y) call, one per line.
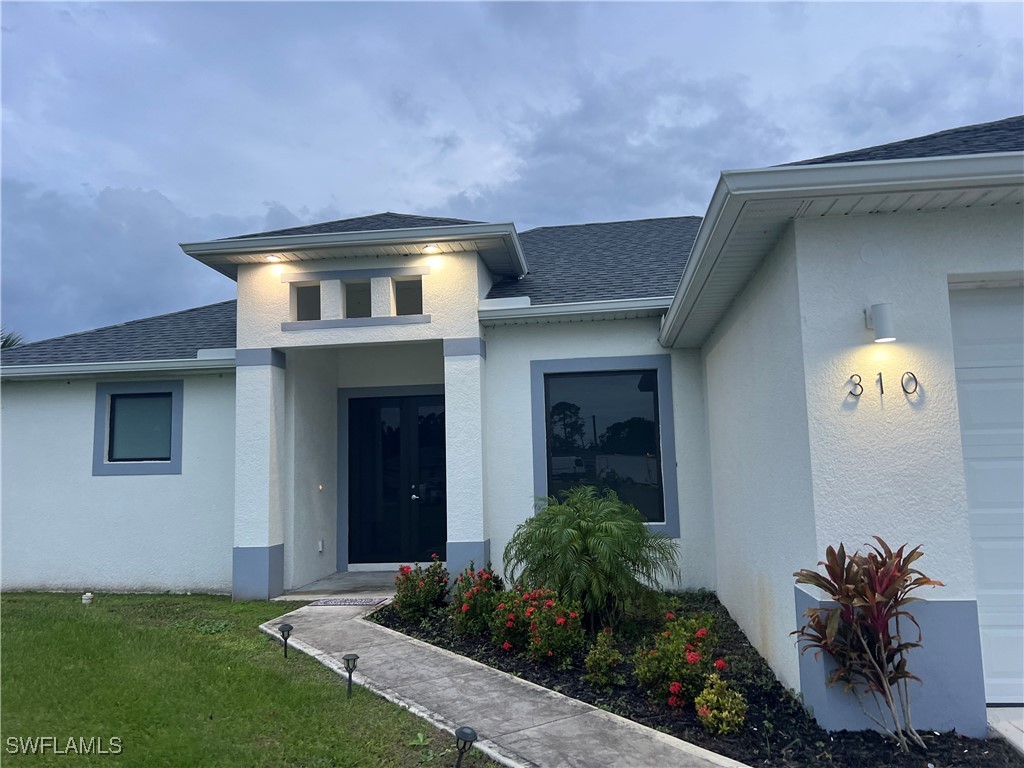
point(602, 429)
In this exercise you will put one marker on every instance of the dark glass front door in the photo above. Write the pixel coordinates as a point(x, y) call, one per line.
point(397, 511)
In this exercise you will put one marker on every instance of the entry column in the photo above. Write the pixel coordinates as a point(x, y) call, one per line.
point(258, 555)
point(464, 452)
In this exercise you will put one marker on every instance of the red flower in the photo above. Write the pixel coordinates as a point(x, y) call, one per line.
point(434, 556)
point(536, 641)
point(692, 657)
point(666, 634)
point(511, 616)
point(549, 604)
point(506, 646)
point(509, 623)
point(703, 711)
point(702, 632)
point(675, 701)
point(485, 575)
point(573, 614)
point(607, 630)
point(405, 570)
point(421, 583)
point(720, 665)
point(465, 607)
point(675, 688)
point(560, 620)
point(551, 653)
point(501, 606)
point(670, 615)
point(475, 590)
point(529, 612)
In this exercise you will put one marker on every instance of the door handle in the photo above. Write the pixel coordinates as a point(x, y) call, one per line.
point(414, 497)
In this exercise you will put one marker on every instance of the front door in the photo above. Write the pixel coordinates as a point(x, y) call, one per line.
point(397, 511)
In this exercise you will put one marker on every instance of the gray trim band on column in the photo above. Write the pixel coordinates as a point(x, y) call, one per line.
point(465, 345)
point(101, 418)
point(458, 555)
point(353, 322)
point(666, 419)
point(261, 356)
point(257, 573)
point(353, 274)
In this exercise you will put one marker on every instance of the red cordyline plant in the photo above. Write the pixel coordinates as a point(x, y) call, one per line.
point(862, 634)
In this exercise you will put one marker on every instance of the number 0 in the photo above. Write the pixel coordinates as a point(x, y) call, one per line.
point(909, 383)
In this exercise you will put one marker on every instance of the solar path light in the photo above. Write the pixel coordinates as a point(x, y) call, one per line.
point(285, 630)
point(350, 660)
point(464, 738)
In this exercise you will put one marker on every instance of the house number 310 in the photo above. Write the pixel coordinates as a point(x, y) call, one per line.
point(908, 382)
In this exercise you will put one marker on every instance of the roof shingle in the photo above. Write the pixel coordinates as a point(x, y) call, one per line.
point(377, 221)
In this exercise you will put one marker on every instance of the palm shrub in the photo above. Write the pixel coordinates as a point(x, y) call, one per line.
point(593, 549)
point(862, 634)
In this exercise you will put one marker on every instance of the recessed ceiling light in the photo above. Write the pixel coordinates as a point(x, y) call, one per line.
point(273, 259)
point(431, 249)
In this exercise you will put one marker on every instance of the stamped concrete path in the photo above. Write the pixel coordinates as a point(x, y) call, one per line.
point(518, 723)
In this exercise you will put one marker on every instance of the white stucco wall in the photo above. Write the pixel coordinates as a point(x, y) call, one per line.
point(450, 295)
point(310, 509)
point(508, 436)
point(760, 460)
point(63, 528)
point(892, 464)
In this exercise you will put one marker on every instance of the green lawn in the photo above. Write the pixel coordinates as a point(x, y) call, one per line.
point(187, 680)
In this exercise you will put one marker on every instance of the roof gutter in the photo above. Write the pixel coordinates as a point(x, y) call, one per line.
point(735, 188)
point(569, 310)
point(412, 235)
point(65, 370)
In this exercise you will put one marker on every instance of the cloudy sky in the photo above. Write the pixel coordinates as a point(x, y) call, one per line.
point(131, 127)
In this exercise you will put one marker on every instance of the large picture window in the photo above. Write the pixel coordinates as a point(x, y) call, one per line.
point(602, 430)
point(138, 428)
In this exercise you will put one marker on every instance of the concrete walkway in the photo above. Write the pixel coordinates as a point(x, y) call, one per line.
point(1008, 722)
point(519, 723)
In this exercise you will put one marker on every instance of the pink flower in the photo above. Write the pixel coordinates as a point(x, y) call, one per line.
point(560, 620)
point(692, 657)
point(421, 583)
point(506, 646)
point(720, 665)
point(702, 632)
point(465, 607)
point(675, 688)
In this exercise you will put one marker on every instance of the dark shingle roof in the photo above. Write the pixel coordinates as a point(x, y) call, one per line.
point(176, 336)
point(593, 262)
point(377, 221)
point(984, 138)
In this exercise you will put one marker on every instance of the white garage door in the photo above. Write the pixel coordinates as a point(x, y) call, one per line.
point(988, 338)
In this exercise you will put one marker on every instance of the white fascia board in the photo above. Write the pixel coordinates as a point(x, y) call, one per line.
point(734, 188)
point(245, 245)
point(62, 370)
point(573, 309)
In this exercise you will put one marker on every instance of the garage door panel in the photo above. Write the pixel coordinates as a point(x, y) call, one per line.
point(988, 335)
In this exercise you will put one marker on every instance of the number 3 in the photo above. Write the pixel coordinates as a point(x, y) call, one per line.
point(858, 389)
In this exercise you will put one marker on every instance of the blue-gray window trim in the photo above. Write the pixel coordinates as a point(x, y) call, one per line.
point(100, 465)
point(666, 429)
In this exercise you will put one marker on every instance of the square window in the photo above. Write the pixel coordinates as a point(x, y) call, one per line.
point(307, 302)
point(357, 299)
point(602, 429)
point(409, 297)
point(138, 428)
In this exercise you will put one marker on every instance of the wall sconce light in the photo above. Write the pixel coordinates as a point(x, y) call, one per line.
point(464, 738)
point(286, 631)
point(350, 660)
point(879, 320)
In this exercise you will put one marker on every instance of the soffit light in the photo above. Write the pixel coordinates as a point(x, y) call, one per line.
point(430, 249)
point(273, 259)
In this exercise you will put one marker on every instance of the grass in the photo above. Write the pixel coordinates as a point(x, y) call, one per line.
point(189, 680)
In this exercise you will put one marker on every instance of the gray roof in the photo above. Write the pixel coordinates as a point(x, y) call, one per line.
point(984, 138)
point(594, 262)
point(377, 221)
point(175, 336)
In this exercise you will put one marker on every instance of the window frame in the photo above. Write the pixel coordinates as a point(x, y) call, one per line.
point(101, 430)
point(662, 365)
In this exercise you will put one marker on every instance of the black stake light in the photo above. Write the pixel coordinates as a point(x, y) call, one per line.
point(286, 631)
point(464, 738)
point(350, 660)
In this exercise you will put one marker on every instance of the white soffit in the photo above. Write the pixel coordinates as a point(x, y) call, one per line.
point(750, 211)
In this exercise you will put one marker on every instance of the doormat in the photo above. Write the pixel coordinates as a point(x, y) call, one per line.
point(349, 601)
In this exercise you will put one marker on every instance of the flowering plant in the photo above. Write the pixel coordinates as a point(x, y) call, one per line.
point(720, 709)
point(419, 589)
point(477, 592)
point(682, 655)
point(537, 622)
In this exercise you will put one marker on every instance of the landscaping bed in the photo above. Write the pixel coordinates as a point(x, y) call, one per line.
point(777, 730)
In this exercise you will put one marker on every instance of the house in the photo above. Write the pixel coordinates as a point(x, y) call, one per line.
point(393, 386)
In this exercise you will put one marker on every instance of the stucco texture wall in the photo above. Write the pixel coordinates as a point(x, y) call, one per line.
point(891, 464)
point(63, 528)
point(758, 445)
point(508, 435)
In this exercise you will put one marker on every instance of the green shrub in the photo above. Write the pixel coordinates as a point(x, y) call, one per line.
point(603, 662)
point(477, 593)
point(592, 549)
point(510, 629)
point(720, 709)
point(556, 629)
point(418, 590)
point(682, 654)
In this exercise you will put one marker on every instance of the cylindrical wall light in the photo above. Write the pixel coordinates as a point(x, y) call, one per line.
point(879, 319)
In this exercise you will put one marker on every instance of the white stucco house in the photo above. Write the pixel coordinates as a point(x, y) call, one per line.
point(393, 386)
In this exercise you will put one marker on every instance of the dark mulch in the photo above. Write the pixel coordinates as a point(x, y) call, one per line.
point(778, 732)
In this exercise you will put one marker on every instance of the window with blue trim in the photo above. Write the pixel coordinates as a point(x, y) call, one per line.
point(138, 428)
point(603, 429)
